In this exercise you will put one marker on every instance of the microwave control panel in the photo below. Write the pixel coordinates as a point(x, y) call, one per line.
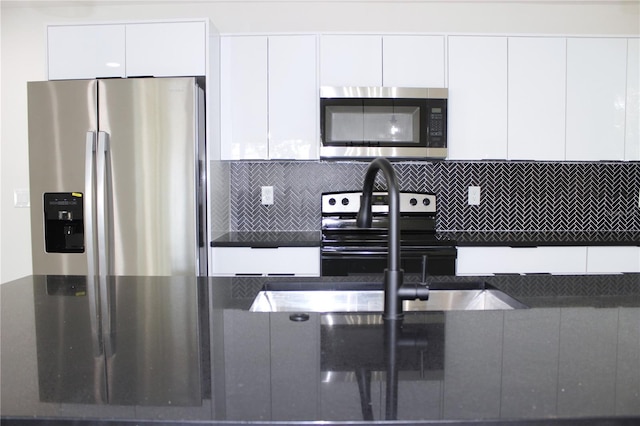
point(437, 123)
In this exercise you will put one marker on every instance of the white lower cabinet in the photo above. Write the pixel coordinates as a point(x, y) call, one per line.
point(234, 261)
point(521, 260)
point(607, 260)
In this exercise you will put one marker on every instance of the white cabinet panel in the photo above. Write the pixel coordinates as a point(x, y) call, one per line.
point(413, 61)
point(293, 98)
point(607, 260)
point(521, 260)
point(477, 97)
point(350, 60)
point(230, 261)
point(537, 76)
point(86, 51)
point(596, 93)
point(632, 125)
point(243, 94)
point(166, 49)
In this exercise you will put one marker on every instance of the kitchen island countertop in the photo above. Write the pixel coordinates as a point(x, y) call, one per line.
point(461, 238)
point(176, 350)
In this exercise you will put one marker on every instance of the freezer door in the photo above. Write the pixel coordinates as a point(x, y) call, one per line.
point(62, 116)
point(150, 129)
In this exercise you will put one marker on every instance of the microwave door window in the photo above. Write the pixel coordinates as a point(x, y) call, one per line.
point(387, 124)
point(344, 124)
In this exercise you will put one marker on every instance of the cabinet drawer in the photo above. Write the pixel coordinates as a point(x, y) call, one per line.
point(611, 260)
point(521, 260)
point(231, 261)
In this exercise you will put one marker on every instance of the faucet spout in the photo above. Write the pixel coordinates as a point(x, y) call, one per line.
point(393, 275)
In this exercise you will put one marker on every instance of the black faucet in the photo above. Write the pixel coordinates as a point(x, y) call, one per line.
point(394, 291)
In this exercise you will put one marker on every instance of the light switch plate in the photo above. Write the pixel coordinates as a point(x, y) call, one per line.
point(474, 195)
point(21, 198)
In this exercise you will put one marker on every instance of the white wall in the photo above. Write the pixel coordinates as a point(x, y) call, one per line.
point(24, 55)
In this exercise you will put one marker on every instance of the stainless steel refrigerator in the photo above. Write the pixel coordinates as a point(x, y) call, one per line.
point(117, 176)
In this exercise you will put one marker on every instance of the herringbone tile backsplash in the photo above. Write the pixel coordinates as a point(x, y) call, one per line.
point(516, 196)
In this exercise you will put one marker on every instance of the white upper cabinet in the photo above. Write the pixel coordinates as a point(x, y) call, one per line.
point(632, 127)
point(166, 49)
point(477, 98)
point(596, 96)
point(536, 93)
point(85, 51)
point(293, 98)
point(413, 61)
point(243, 98)
point(269, 98)
point(391, 61)
point(350, 60)
point(127, 50)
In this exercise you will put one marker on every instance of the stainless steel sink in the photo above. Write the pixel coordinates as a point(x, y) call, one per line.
point(372, 301)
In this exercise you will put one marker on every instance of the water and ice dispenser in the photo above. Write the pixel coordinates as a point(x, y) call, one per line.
point(63, 222)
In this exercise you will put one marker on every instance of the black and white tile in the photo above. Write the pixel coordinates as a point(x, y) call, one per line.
point(516, 196)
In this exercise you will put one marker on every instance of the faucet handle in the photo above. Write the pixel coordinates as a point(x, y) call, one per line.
point(423, 279)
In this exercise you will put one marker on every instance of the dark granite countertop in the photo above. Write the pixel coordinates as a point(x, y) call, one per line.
point(544, 238)
point(176, 350)
point(461, 238)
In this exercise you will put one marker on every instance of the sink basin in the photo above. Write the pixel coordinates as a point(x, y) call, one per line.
point(367, 300)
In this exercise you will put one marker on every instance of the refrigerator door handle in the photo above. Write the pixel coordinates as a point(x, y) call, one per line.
point(102, 203)
point(103, 206)
point(90, 241)
point(89, 203)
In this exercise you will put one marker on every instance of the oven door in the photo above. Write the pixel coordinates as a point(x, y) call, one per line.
point(441, 260)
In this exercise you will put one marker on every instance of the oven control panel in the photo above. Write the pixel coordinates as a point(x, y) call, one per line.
point(349, 202)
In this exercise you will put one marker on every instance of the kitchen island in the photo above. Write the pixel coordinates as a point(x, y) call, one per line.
point(177, 350)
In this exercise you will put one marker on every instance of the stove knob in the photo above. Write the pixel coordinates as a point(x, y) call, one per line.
point(426, 201)
point(332, 201)
point(345, 201)
point(413, 201)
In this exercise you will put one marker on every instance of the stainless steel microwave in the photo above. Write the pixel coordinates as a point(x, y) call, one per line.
point(394, 122)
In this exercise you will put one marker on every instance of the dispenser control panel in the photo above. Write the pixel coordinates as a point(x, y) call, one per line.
point(63, 222)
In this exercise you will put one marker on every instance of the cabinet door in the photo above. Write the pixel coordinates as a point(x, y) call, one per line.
point(85, 51)
point(537, 76)
point(607, 260)
point(243, 97)
point(477, 98)
point(413, 61)
point(350, 60)
point(632, 127)
point(166, 49)
point(596, 92)
point(293, 98)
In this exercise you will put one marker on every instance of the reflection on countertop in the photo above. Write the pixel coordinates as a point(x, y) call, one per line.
point(186, 348)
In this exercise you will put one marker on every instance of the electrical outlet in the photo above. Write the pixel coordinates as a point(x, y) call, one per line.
point(266, 195)
point(474, 195)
